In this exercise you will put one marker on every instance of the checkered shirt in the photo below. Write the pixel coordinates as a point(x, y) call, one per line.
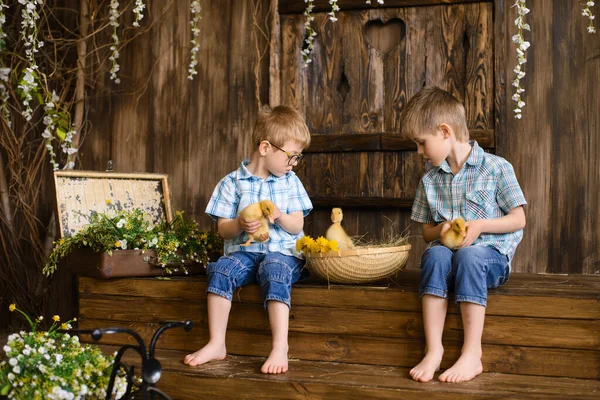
point(240, 188)
point(484, 188)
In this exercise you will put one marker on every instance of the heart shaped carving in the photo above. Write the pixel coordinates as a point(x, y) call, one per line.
point(385, 36)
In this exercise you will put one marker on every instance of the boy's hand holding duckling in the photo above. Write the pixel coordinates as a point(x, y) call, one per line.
point(473, 228)
point(255, 220)
point(457, 233)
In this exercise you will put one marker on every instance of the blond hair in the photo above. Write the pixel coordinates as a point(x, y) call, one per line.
point(279, 125)
point(431, 107)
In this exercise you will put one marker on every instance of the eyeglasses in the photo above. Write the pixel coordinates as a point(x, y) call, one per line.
point(292, 158)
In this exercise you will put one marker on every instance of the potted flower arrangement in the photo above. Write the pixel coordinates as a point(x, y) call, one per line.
point(170, 246)
point(53, 364)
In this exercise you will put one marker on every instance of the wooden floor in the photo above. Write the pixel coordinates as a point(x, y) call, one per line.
point(542, 338)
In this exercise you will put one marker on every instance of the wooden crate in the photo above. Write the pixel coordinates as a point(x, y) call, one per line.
point(80, 194)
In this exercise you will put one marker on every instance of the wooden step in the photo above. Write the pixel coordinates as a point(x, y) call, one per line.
point(239, 377)
point(535, 325)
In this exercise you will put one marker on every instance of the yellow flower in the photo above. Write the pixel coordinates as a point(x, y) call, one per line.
point(56, 318)
point(12, 307)
point(62, 241)
point(74, 319)
point(333, 245)
point(322, 244)
point(108, 201)
point(117, 244)
point(64, 327)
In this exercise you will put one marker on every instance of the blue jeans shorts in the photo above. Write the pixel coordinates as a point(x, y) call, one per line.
point(469, 272)
point(274, 271)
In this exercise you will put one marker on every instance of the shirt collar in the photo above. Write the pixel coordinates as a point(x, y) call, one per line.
point(475, 158)
point(243, 173)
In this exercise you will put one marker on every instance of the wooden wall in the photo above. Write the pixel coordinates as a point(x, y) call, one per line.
point(197, 131)
point(555, 148)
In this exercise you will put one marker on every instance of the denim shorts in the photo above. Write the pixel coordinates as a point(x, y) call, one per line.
point(469, 272)
point(274, 271)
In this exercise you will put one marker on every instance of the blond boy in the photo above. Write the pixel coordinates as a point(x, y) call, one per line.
point(464, 181)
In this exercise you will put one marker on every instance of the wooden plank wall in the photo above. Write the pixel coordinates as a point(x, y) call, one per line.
point(555, 148)
point(194, 131)
point(198, 131)
point(364, 69)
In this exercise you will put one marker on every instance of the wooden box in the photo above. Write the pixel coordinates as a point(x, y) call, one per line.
point(121, 263)
point(82, 193)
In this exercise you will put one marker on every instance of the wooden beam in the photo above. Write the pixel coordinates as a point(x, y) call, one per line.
point(360, 202)
point(344, 142)
point(298, 6)
point(357, 142)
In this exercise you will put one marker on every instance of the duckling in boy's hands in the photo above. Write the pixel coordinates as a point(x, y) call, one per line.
point(453, 237)
point(337, 233)
point(263, 212)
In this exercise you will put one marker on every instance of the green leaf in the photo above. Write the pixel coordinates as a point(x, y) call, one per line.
point(38, 97)
point(61, 134)
point(4, 391)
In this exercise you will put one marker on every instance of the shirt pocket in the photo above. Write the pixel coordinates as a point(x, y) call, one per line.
point(481, 204)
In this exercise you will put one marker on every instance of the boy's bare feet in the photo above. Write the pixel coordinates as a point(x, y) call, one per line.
point(277, 363)
point(425, 370)
point(467, 367)
point(212, 351)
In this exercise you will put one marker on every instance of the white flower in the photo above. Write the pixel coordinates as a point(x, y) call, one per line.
point(16, 369)
point(13, 361)
point(6, 348)
point(121, 223)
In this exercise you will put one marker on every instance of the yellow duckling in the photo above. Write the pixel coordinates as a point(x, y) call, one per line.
point(263, 212)
point(337, 233)
point(454, 236)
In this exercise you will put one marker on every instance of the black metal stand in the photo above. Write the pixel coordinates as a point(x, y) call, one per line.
point(151, 368)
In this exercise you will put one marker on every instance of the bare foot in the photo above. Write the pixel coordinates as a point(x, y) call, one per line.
point(212, 351)
point(467, 367)
point(428, 366)
point(277, 363)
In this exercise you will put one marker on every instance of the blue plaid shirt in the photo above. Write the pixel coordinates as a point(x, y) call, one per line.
point(240, 188)
point(484, 188)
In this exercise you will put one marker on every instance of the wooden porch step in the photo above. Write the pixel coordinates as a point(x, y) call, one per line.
point(240, 377)
point(535, 324)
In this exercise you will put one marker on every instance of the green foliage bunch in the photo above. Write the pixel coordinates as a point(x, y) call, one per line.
point(175, 243)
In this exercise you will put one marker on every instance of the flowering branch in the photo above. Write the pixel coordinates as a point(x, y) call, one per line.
point(138, 11)
point(523, 45)
point(334, 9)
point(311, 32)
point(195, 10)
point(587, 12)
point(114, 22)
point(4, 72)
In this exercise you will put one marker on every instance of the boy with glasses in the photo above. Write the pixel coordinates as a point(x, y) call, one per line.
point(280, 134)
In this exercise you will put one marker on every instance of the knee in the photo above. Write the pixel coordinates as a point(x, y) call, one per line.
point(468, 257)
